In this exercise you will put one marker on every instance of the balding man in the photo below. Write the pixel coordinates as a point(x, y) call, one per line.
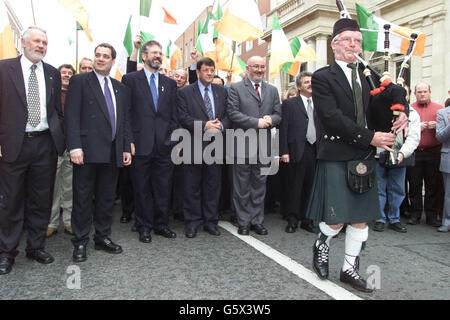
point(31, 137)
point(427, 159)
point(252, 104)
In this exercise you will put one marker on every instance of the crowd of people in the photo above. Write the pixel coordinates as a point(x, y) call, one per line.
point(70, 144)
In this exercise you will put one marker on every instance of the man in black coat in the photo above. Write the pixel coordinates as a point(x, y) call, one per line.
point(343, 106)
point(204, 104)
point(298, 136)
point(31, 137)
point(153, 118)
point(99, 142)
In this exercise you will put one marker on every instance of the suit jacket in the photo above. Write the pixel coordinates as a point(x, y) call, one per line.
point(244, 108)
point(151, 128)
point(14, 112)
point(293, 128)
point(88, 125)
point(443, 135)
point(341, 137)
point(191, 107)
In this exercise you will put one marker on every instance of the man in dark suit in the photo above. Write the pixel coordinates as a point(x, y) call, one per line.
point(342, 102)
point(203, 103)
point(98, 139)
point(298, 136)
point(252, 104)
point(31, 137)
point(153, 118)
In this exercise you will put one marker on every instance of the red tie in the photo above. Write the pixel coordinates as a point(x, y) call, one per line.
point(257, 90)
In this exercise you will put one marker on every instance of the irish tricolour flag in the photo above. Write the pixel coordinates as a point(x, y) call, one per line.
point(372, 29)
point(280, 48)
point(7, 48)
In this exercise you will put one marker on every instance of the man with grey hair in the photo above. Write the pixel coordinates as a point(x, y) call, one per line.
point(298, 136)
point(31, 137)
point(253, 104)
point(85, 65)
point(346, 149)
point(153, 117)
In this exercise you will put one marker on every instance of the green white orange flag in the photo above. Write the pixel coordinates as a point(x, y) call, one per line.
point(79, 13)
point(241, 21)
point(302, 53)
point(280, 49)
point(173, 54)
point(7, 48)
point(372, 29)
point(168, 18)
point(205, 44)
point(125, 52)
point(144, 22)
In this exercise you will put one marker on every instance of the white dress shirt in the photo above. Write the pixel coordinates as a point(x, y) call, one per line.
point(348, 72)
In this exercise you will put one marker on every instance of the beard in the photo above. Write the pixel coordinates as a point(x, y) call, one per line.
point(34, 56)
point(155, 64)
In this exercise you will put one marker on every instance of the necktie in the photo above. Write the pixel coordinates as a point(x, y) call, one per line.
point(154, 91)
point(311, 131)
point(208, 104)
point(110, 105)
point(257, 90)
point(34, 101)
point(357, 97)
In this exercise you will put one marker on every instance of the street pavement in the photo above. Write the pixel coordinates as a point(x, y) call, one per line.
point(414, 265)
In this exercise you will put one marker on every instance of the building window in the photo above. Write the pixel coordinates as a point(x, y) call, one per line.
point(186, 53)
point(238, 49)
point(249, 45)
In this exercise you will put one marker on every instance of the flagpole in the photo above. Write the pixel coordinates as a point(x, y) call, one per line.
point(32, 11)
point(76, 48)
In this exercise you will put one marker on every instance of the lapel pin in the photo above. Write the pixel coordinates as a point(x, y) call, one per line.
point(162, 89)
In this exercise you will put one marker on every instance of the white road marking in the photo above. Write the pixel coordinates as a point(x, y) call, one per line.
point(330, 288)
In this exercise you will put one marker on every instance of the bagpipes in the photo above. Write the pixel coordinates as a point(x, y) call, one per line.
point(389, 98)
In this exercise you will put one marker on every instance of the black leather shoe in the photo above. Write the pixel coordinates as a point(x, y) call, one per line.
point(107, 245)
point(290, 228)
point(79, 253)
point(166, 233)
point(320, 260)
point(308, 226)
point(124, 219)
point(191, 233)
point(433, 223)
point(259, 229)
point(40, 256)
point(243, 231)
point(6, 264)
point(413, 221)
point(351, 277)
point(145, 236)
point(212, 230)
point(378, 226)
point(397, 227)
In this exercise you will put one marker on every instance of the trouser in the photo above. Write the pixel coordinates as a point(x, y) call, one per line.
point(62, 195)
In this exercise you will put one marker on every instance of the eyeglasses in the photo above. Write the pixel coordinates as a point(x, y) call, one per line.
point(258, 66)
point(349, 39)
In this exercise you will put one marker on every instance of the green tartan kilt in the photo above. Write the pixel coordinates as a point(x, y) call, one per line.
point(333, 202)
